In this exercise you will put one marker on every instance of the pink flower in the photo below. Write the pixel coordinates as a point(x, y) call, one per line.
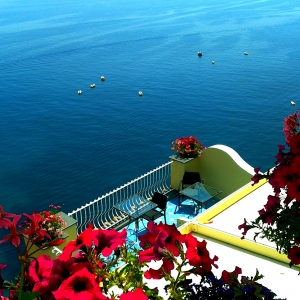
point(138, 294)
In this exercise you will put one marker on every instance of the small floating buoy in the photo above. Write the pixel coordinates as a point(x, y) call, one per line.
point(140, 93)
point(293, 103)
point(213, 62)
point(102, 78)
point(246, 53)
point(199, 53)
point(79, 92)
point(92, 85)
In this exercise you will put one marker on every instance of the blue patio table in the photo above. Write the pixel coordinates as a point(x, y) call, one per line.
point(200, 193)
point(134, 207)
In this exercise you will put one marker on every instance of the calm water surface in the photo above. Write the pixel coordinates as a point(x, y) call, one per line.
point(61, 148)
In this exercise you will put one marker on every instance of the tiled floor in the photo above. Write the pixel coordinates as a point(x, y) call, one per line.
point(173, 212)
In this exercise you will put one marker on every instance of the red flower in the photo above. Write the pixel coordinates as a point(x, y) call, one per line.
point(138, 294)
point(4, 221)
point(257, 177)
point(163, 236)
point(280, 156)
point(81, 285)
point(34, 229)
point(106, 241)
point(14, 235)
point(283, 175)
point(290, 127)
point(85, 239)
point(39, 275)
point(295, 144)
point(150, 254)
point(294, 189)
point(245, 227)
point(230, 277)
point(166, 268)
point(267, 216)
point(272, 204)
point(294, 255)
point(197, 254)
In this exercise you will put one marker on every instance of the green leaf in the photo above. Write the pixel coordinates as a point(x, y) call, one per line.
point(27, 295)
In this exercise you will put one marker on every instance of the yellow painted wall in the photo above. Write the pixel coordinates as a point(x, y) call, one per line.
point(219, 170)
point(179, 166)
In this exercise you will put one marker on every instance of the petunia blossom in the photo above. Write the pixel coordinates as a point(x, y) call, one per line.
point(230, 277)
point(162, 235)
point(295, 144)
point(294, 189)
point(84, 239)
point(197, 253)
point(294, 255)
point(166, 268)
point(106, 241)
point(39, 275)
point(81, 285)
point(138, 294)
point(245, 227)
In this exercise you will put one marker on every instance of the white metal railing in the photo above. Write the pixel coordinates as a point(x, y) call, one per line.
point(99, 210)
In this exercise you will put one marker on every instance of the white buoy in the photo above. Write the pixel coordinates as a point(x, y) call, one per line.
point(140, 93)
point(102, 78)
point(246, 53)
point(79, 92)
point(293, 103)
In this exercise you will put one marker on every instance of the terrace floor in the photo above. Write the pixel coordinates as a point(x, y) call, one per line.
point(174, 215)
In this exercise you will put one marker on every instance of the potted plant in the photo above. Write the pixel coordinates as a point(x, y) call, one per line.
point(188, 147)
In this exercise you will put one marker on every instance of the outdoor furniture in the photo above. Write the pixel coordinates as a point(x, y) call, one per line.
point(134, 207)
point(200, 193)
point(161, 201)
point(188, 179)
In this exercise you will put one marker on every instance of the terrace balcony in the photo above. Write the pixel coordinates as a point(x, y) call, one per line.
point(222, 168)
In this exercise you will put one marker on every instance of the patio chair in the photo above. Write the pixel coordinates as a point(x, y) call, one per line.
point(153, 214)
point(188, 179)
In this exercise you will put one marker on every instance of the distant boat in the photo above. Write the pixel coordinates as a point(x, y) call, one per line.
point(199, 53)
point(79, 92)
point(293, 103)
point(140, 93)
point(246, 53)
point(213, 62)
point(102, 78)
point(92, 85)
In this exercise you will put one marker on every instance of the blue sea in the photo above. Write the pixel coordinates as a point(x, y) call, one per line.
point(61, 148)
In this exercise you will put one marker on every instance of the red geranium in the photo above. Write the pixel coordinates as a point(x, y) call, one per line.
point(188, 146)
